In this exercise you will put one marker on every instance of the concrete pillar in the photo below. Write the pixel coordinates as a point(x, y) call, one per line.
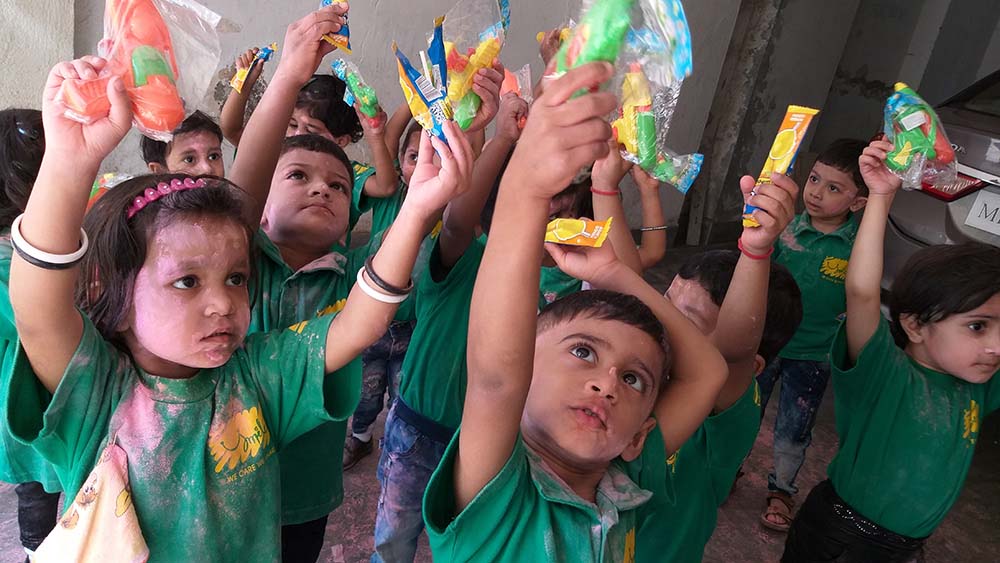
point(960, 48)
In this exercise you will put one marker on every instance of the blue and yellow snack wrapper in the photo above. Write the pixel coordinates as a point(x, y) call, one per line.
point(341, 39)
point(427, 94)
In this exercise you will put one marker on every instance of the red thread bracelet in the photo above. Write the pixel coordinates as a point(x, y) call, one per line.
point(751, 256)
point(602, 192)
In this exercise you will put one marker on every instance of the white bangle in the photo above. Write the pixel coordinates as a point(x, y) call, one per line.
point(41, 258)
point(375, 294)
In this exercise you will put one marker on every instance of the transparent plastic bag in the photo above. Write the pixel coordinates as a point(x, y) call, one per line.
point(518, 82)
point(922, 153)
point(653, 63)
point(473, 37)
point(426, 93)
point(166, 51)
point(341, 39)
point(358, 90)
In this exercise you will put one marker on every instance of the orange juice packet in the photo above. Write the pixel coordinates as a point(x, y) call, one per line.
point(578, 232)
point(783, 151)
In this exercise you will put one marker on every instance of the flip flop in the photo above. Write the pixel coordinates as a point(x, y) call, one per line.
point(785, 516)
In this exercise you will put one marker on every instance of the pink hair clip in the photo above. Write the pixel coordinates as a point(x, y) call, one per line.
point(162, 189)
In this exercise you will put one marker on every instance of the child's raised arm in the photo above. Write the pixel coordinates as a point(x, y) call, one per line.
point(864, 274)
point(396, 126)
point(698, 370)
point(462, 215)
point(605, 190)
point(48, 323)
point(234, 110)
point(744, 311)
point(653, 245)
point(561, 136)
point(364, 318)
point(260, 144)
point(385, 181)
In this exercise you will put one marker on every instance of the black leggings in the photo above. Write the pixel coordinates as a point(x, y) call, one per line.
point(37, 512)
point(828, 529)
point(302, 543)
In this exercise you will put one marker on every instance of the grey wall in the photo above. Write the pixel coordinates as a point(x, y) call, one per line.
point(34, 36)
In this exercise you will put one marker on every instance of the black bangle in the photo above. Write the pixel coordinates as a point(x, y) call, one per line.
point(660, 228)
point(41, 263)
point(384, 285)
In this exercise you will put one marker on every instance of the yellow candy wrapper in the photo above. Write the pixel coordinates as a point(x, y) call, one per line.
point(341, 39)
point(783, 151)
point(578, 232)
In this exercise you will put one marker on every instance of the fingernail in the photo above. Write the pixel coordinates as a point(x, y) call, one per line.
point(119, 85)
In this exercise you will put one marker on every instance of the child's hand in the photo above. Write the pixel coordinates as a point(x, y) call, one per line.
point(550, 45)
point(245, 60)
point(587, 264)
point(486, 84)
point(563, 135)
point(436, 180)
point(880, 180)
point(374, 127)
point(645, 182)
point(78, 143)
point(775, 205)
point(304, 47)
point(609, 171)
point(513, 109)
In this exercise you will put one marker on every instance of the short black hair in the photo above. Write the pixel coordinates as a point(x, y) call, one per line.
point(843, 154)
point(22, 144)
point(607, 306)
point(940, 281)
point(323, 99)
point(320, 144)
point(713, 270)
point(156, 151)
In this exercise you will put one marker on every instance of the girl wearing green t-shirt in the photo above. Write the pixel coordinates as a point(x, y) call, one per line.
point(161, 372)
point(910, 393)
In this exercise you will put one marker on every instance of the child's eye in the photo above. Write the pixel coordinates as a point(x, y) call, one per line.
point(188, 160)
point(634, 381)
point(834, 189)
point(215, 156)
point(583, 352)
point(338, 187)
point(187, 282)
point(237, 280)
point(295, 175)
point(977, 326)
point(813, 178)
point(412, 156)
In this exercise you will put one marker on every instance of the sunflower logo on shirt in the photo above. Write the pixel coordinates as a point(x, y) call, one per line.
point(242, 438)
point(834, 268)
point(629, 556)
point(971, 421)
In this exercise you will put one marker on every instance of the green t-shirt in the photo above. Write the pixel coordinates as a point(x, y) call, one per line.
point(384, 209)
point(526, 513)
point(312, 466)
point(701, 472)
point(199, 450)
point(907, 434)
point(361, 174)
point(433, 376)
point(18, 463)
point(555, 284)
point(818, 262)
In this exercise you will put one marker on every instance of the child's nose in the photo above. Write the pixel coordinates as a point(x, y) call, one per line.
point(219, 302)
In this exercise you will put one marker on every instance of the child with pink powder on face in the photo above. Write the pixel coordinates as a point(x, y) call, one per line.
point(159, 365)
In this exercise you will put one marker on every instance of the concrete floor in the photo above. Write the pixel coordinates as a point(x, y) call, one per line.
point(971, 532)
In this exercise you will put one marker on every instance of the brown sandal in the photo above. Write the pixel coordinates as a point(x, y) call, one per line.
point(774, 510)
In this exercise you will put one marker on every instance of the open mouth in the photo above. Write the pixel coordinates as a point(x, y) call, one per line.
point(591, 418)
point(219, 335)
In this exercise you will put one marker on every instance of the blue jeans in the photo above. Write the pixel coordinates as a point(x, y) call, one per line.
point(409, 457)
point(803, 383)
point(382, 363)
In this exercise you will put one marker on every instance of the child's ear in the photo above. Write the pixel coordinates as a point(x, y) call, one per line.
point(157, 168)
point(758, 364)
point(859, 204)
point(342, 141)
point(912, 327)
point(634, 448)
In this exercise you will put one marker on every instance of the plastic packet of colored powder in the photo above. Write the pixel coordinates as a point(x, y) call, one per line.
point(783, 151)
point(341, 39)
point(578, 232)
point(922, 153)
point(426, 93)
point(357, 90)
point(240, 78)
